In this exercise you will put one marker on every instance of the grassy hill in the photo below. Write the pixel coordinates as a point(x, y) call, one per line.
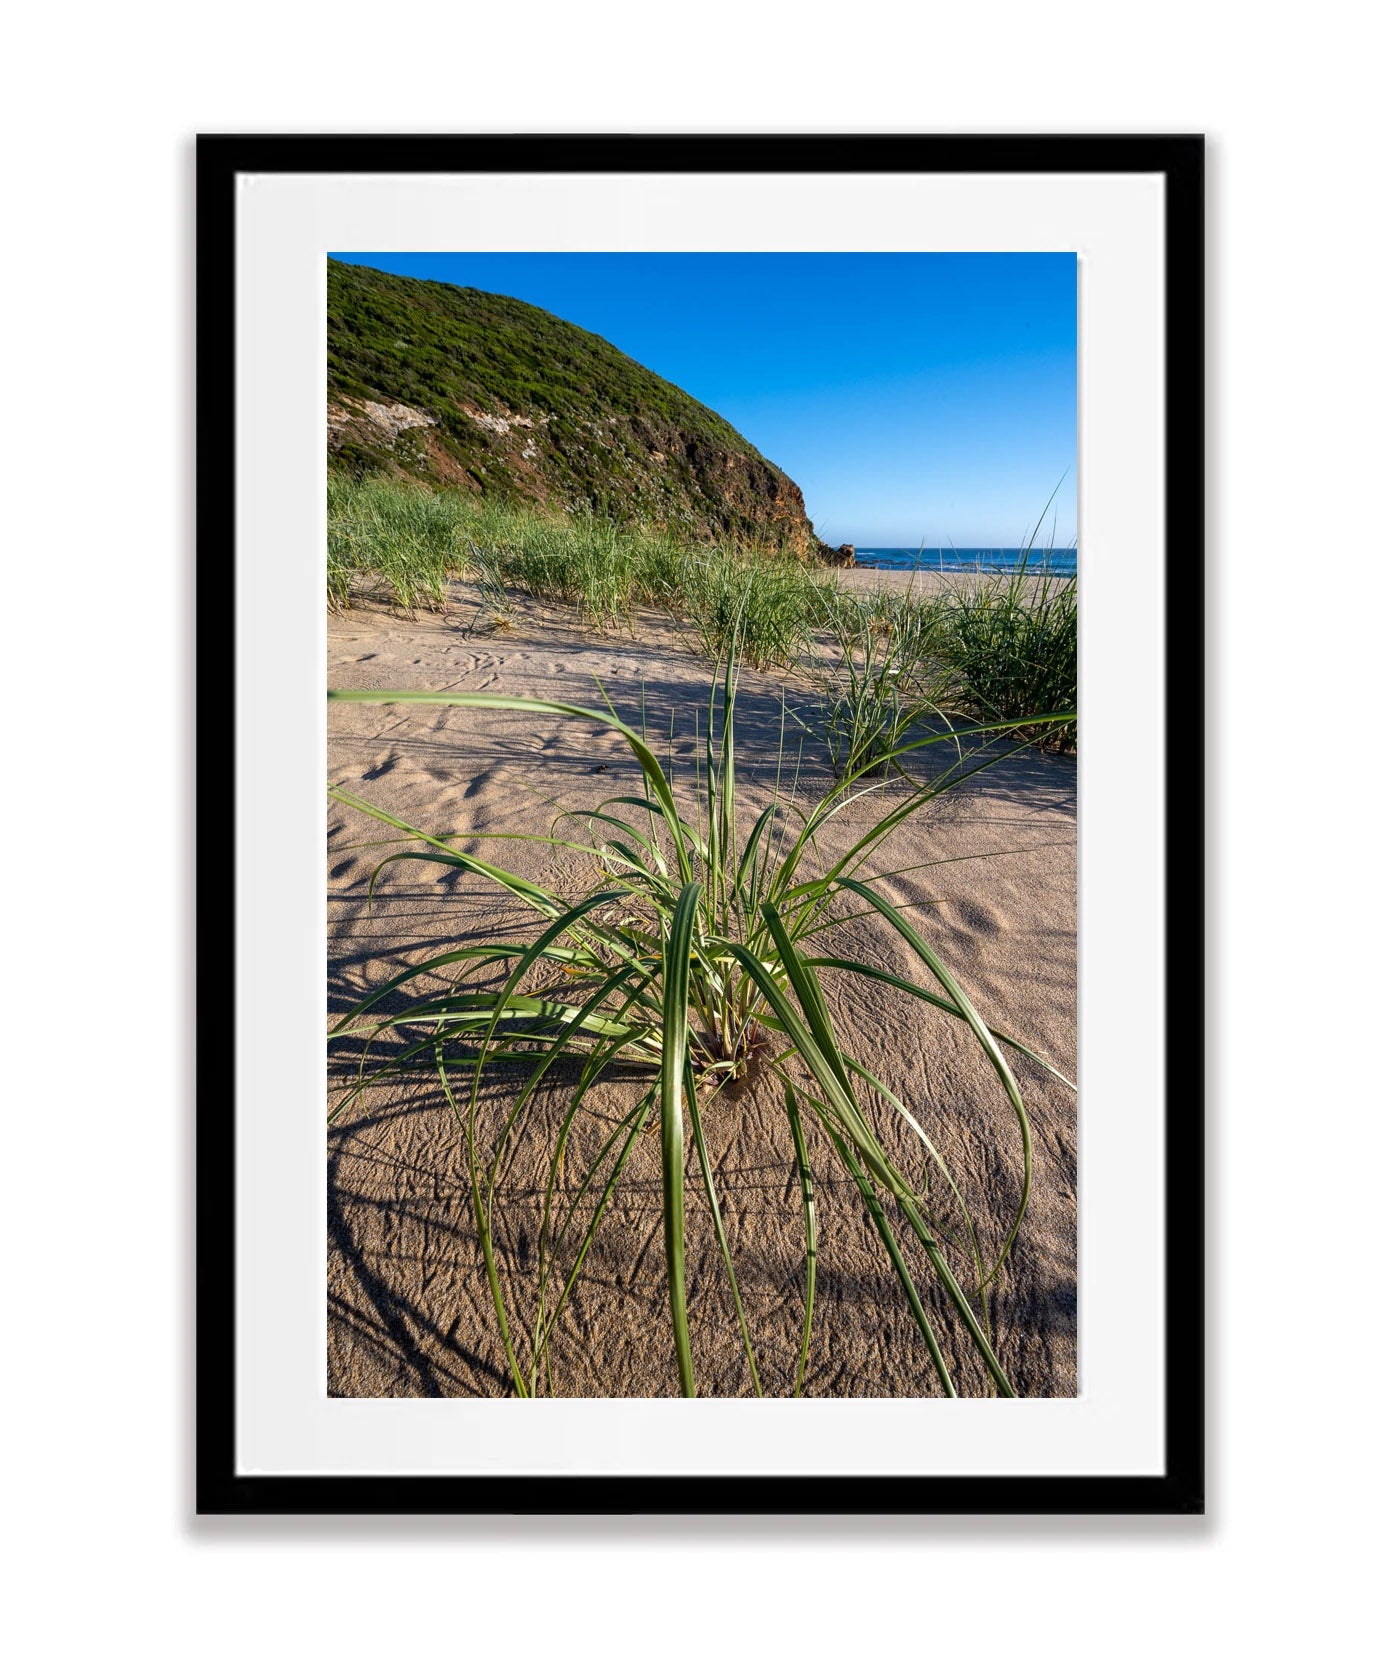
point(453, 386)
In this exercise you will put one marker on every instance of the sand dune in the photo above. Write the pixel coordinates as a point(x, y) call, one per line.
point(409, 1310)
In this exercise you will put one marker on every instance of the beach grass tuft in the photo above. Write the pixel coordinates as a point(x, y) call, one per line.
point(887, 679)
point(391, 540)
point(696, 963)
point(1014, 640)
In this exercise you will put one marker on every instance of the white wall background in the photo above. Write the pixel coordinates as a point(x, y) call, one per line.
point(1285, 1576)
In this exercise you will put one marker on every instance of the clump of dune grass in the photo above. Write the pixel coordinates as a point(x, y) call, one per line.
point(391, 541)
point(607, 572)
point(401, 542)
point(697, 965)
point(603, 570)
point(886, 681)
point(768, 606)
point(495, 613)
point(1014, 640)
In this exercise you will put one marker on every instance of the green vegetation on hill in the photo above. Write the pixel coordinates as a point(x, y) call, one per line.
point(449, 385)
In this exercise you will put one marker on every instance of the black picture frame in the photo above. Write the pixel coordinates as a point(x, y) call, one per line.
point(1179, 160)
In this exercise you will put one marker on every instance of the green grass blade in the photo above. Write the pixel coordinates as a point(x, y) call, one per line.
point(631, 1124)
point(535, 896)
point(984, 1037)
point(836, 1088)
point(650, 765)
point(697, 1131)
point(809, 1216)
point(915, 990)
point(483, 1226)
point(675, 1029)
point(880, 1220)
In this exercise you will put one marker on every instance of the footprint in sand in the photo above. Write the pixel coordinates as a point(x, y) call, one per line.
point(974, 919)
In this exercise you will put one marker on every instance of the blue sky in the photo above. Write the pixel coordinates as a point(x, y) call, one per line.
point(915, 397)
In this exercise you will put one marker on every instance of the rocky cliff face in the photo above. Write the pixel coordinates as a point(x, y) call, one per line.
point(455, 386)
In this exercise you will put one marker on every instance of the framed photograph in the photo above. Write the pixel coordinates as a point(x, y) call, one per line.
point(709, 1013)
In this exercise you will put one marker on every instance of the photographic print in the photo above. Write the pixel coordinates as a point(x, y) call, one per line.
point(702, 636)
point(706, 924)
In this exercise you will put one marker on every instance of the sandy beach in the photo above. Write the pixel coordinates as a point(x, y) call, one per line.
point(881, 580)
point(409, 1312)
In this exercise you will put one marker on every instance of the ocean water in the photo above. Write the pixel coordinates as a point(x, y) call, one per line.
point(1063, 562)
